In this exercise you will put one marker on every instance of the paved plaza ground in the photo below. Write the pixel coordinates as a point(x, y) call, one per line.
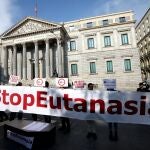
point(131, 137)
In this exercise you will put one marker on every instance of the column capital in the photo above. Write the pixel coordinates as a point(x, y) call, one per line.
point(4, 46)
point(59, 41)
point(46, 40)
point(35, 41)
point(14, 45)
point(23, 43)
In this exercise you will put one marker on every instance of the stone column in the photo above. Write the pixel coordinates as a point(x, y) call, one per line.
point(51, 62)
point(24, 61)
point(19, 65)
point(14, 60)
point(59, 58)
point(5, 63)
point(36, 59)
point(62, 59)
point(47, 58)
point(11, 61)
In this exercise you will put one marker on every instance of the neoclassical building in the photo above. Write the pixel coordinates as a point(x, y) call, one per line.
point(89, 50)
point(143, 43)
point(33, 48)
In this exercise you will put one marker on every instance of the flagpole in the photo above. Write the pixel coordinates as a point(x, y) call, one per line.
point(35, 9)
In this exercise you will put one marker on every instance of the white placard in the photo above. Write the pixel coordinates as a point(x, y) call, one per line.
point(14, 79)
point(39, 82)
point(61, 82)
point(78, 84)
point(109, 83)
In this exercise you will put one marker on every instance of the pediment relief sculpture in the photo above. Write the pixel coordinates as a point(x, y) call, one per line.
point(30, 26)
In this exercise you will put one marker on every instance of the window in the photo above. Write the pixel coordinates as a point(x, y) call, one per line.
point(107, 41)
point(90, 42)
point(124, 39)
point(92, 67)
point(105, 22)
point(74, 69)
point(89, 25)
point(109, 66)
point(127, 64)
point(72, 45)
point(122, 19)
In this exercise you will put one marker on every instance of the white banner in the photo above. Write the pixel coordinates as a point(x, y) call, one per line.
point(110, 106)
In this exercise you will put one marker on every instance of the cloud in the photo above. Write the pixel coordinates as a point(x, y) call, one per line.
point(8, 9)
point(110, 6)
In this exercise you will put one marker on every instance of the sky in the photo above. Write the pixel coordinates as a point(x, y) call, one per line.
point(13, 11)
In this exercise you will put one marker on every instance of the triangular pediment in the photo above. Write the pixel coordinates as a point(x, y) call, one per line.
point(30, 25)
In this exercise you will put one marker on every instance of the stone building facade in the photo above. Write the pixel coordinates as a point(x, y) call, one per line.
point(143, 43)
point(89, 50)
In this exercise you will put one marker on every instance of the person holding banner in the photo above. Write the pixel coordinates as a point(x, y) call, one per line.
point(3, 114)
point(65, 122)
point(46, 117)
point(13, 114)
point(113, 127)
point(91, 123)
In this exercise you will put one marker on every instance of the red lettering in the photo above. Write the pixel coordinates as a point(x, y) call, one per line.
point(66, 102)
point(40, 98)
point(5, 94)
point(81, 106)
point(15, 101)
point(28, 101)
point(101, 104)
point(142, 105)
point(117, 106)
point(58, 105)
point(130, 105)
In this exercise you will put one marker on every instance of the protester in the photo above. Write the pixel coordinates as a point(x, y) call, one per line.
point(47, 117)
point(143, 87)
point(91, 123)
point(13, 114)
point(65, 124)
point(113, 127)
point(3, 114)
point(113, 131)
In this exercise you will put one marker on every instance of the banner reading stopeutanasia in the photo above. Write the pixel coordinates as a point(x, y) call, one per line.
point(110, 106)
